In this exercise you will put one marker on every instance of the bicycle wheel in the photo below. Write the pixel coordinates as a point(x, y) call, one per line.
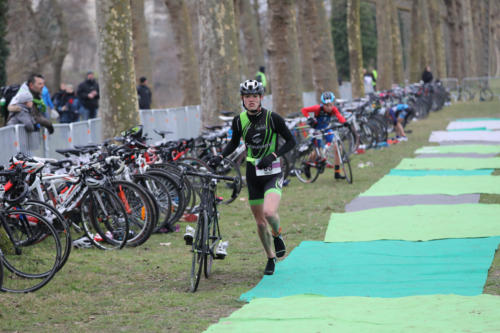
point(345, 164)
point(306, 170)
point(199, 250)
point(104, 219)
point(34, 253)
point(1, 269)
point(139, 211)
point(485, 95)
point(58, 221)
point(160, 195)
point(212, 241)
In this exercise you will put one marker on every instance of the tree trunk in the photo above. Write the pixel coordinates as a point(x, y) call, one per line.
point(142, 56)
point(397, 49)
point(189, 75)
point(480, 23)
point(61, 49)
point(253, 45)
point(305, 47)
point(384, 45)
point(438, 40)
point(245, 71)
point(494, 26)
point(468, 37)
point(219, 59)
point(118, 102)
point(454, 22)
point(324, 68)
point(355, 51)
point(416, 51)
point(284, 55)
point(4, 50)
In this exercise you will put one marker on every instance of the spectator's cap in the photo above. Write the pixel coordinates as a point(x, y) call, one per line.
point(262, 69)
point(23, 96)
point(142, 79)
point(90, 72)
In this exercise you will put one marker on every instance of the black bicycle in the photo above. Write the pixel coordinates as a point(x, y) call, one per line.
point(207, 233)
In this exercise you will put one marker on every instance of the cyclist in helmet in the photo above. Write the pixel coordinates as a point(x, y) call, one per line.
point(319, 117)
point(261, 129)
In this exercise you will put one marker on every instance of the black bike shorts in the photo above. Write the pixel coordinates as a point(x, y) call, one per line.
point(259, 186)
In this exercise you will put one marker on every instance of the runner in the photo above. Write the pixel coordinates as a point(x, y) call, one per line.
point(260, 129)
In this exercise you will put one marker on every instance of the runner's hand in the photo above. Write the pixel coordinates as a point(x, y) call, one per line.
point(266, 162)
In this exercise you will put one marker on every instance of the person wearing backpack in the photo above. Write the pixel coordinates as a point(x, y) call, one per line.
point(23, 101)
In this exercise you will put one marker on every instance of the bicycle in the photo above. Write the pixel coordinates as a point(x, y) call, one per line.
point(207, 233)
point(312, 160)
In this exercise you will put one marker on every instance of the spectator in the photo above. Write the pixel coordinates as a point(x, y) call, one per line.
point(47, 101)
point(261, 77)
point(69, 106)
point(144, 94)
point(23, 102)
point(368, 81)
point(374, 77)
point(88, 95)
point(427, 75)
point(34, 85)
point(56, 98)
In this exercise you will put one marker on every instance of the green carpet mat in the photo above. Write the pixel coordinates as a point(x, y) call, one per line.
point(309, 313)
point(418, 173)
point(381, 269)
point(415, 223)
point(476, 119)
point(450, 163)
point(451, 185)
point(479, 149)
point(469, 129)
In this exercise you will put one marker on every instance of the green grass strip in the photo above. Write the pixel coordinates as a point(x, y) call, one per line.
point(479, 149)
point(420, 173)
point(309, 313)
point(388, 268)
point(415, 223)
point(450, 163)
point(451, 185)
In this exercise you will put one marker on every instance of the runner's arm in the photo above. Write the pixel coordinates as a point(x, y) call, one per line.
point(284, 132)
point(235, 138)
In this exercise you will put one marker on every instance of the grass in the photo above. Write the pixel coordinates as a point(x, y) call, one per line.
point(146, 288)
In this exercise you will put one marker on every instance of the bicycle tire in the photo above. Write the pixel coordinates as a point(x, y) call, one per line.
point(139, 210)
point(345, 164)
point(59, 223)
point(22, 277)
point(486, 95)
point(304, 163)
point(212, 240)
point(178, 201)
point(1, 269)
point(104, 219)
point(198, 249)
point(160, 194)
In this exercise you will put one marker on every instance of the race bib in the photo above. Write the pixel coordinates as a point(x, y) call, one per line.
point(271, 170)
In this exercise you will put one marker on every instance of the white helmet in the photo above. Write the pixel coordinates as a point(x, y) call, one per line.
point(82, 243)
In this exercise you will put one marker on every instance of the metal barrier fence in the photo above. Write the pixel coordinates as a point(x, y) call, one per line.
point(476, 84)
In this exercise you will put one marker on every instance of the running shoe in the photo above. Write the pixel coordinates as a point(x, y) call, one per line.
point(279, 246)
point(271, 263)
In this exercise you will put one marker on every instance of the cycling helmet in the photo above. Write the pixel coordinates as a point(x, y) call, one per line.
point(251, 87)
point(327, 97)
point(82, 243)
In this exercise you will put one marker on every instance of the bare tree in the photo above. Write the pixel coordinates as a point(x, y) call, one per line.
point(219, 58)
point(437, 37)
point(416, 49)
point(397, 49)
point(248, 24)
point(384, 44)
point(454, 22)
point(494, 34)
point(142, 56)
point(355, 51)
point(284, 55)
point(119, 107)
point(189, 75)
point(468, 36)
point(305, 47)
point(319, 31)
point(245, 72)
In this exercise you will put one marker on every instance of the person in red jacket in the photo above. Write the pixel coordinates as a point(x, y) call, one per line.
point(319, 117)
